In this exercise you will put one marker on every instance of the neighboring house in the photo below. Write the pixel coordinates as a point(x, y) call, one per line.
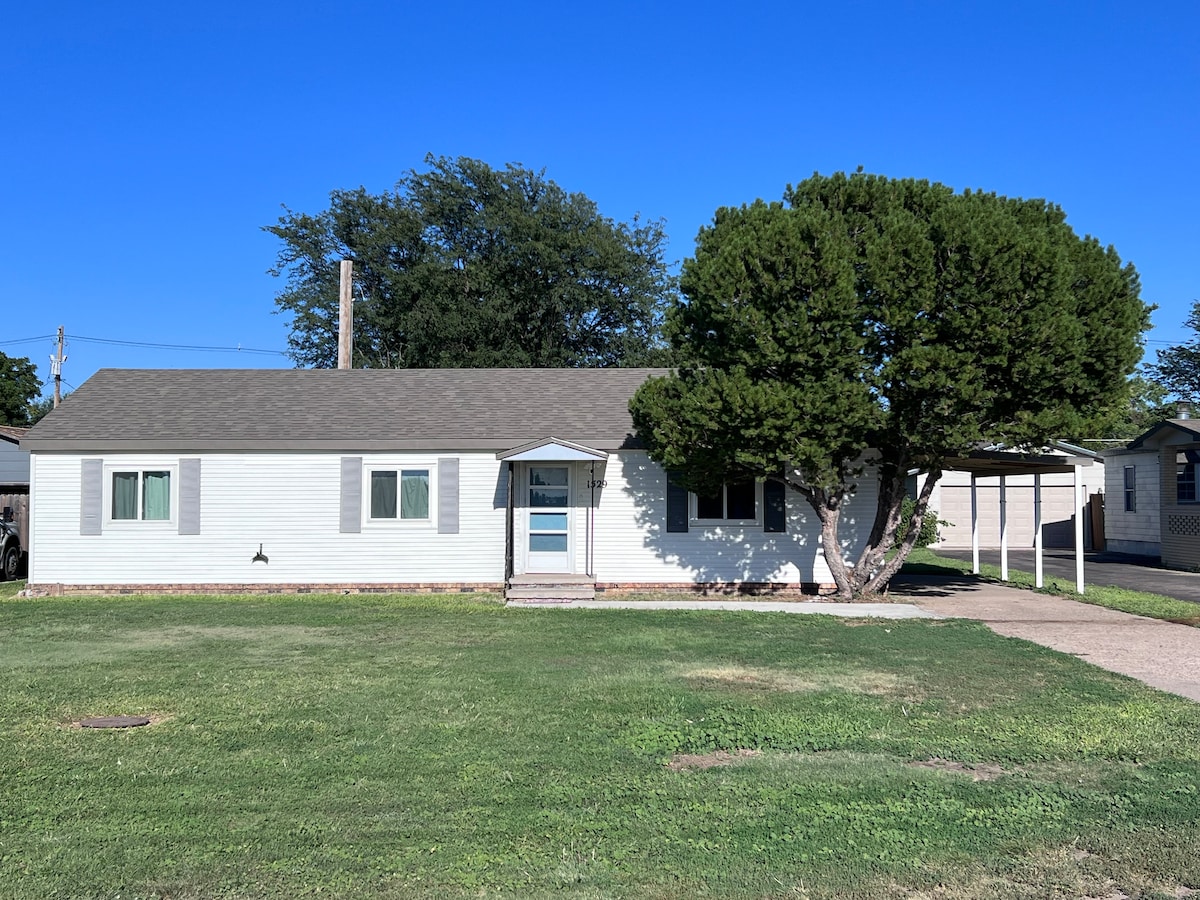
point(14, 461)
point(14, 480)
point(952, 500)
point(1154, 505)
point(391, 479)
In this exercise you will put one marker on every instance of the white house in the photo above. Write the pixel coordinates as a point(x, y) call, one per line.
point(391, 480)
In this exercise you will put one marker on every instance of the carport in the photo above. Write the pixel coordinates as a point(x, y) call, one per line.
point(997, 463)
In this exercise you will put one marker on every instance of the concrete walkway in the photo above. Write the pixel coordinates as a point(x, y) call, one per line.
point(1136, 573)
point(850, 610)
point(1161, 654)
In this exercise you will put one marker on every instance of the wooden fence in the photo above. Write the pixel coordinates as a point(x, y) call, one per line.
point(19, 504)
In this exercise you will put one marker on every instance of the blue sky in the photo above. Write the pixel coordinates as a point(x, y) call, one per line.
point(145, 145)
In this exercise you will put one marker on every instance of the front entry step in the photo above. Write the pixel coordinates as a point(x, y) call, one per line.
point(550, 588)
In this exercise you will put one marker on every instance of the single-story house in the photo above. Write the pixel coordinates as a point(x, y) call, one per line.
point(14, 461)
point(14, 480)
point(392, 480)
point(1154, 504)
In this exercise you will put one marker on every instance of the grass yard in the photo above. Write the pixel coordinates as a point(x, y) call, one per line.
point(448, 747)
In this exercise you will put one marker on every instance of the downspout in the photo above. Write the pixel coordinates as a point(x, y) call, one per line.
point(508, 529)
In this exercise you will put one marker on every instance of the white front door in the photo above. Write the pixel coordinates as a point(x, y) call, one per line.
point(548, 519)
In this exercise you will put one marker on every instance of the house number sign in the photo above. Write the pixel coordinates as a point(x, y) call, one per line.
point(597, 483)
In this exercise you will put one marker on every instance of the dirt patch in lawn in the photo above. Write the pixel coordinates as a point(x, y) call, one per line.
point(977, 771)
point(681, 762)
point(882, 684)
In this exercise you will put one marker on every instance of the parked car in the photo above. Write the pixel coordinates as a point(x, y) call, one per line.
point(10, 550)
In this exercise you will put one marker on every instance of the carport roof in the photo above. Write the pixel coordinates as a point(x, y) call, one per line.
point(1011, 462)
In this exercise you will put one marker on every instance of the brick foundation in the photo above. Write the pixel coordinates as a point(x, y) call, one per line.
point(779, 590)
point(111, 590)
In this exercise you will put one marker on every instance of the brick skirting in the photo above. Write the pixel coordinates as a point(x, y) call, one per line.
point(70, 590)
point(783, 590)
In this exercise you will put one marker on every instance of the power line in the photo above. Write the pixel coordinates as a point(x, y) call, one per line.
point(192, 348)
point(32, 340)
point(148, 345)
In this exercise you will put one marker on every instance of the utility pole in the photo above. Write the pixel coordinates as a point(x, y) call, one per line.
point(346, 315)
point(56, 362)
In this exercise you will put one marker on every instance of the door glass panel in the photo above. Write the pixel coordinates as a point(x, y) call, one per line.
point(548, 543)
point(548, 521)
point(550, 475)
point(555, 497)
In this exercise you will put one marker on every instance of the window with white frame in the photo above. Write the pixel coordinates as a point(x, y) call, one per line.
point(400, 494)
point(140, 495)
point(1185, 476)
point(1131, 489)
point(735, 501)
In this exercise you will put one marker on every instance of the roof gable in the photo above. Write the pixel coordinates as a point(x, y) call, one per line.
point(1164, 431)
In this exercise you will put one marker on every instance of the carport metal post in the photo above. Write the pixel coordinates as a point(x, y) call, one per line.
point(1003, 528)
point(974, 527)
point(1078, 530)
point(1037, 529)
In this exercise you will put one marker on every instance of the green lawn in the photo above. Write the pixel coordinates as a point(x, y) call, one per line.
point(448, 747)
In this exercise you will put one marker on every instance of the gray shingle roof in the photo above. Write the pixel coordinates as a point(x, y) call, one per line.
point(12, 433)
point(192, 410)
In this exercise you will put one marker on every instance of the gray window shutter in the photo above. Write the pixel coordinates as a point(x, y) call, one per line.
point(447, 495)
point(677, 506)
point(189, 496)
point(352, 476)
point(91, 496)
point(774, 506)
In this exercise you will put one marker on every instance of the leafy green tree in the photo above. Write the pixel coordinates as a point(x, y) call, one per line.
point(1141, 404)
point(469, 266)
point(1177, 369)
point(19, 388)
point(885, 322)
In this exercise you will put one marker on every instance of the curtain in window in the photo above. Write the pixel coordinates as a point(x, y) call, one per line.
point(156, 495)
point(383, 495)
point(414, 488)
point(124, 495)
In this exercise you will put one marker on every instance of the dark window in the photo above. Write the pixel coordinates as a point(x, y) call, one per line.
point(1131, 489)
point(735, 501)
point(1185, 481)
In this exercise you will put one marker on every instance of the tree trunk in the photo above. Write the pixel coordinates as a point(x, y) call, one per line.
point(873, 571)
point(879, 582)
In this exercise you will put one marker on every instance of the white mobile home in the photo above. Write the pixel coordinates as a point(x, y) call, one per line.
point(391, 480)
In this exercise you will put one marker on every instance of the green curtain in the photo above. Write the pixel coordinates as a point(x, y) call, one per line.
point(383, 495)
point(124, 495)
point(156, 496)
point(414, 500)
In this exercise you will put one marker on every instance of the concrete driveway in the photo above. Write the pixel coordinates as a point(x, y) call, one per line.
point(1131, 572)
point(1161, 654)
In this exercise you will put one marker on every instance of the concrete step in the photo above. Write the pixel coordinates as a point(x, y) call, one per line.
point(551, 592)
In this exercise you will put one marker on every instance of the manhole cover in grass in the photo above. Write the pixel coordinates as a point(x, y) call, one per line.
point(114, 722)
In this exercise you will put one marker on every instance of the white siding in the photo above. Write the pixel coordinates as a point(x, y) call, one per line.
point(633, 546)
point(1136, 531)
point(288, 503)
point(14, 464)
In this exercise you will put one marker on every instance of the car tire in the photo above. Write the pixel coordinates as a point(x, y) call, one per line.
point(10, 564)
